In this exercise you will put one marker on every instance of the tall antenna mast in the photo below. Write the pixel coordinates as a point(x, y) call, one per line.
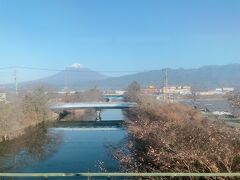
point(165, 86)
point(165, 78)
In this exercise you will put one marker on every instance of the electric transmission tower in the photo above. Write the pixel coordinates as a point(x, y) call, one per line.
point(165, 78)
point(165, 86)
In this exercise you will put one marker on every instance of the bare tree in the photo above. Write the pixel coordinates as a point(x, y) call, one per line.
point(234, 101)
point(133, 92)
point(177, 138)
point(27, 110)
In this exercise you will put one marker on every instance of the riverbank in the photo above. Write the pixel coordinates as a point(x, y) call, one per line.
point(25, 112)
point(77, 115)
point(30, 109)
point(15, 132)
point(35, 144)
point(177, 138)
point(46, 146)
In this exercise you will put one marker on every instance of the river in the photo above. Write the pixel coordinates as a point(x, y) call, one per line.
point(64, 149)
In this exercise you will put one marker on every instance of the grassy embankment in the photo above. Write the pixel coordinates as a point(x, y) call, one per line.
point(26, 111)
point(33, 108)
point(177, 138)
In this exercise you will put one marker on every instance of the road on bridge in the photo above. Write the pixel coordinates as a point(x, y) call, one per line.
point(92, 105)
point(98, 106)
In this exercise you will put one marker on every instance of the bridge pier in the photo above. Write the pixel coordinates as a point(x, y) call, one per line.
point(98, 115)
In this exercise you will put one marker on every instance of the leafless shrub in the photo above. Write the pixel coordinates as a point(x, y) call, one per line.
point(234, 100)
point(133, 92)
point(10, 119)
point(177, 138)
point(86, 96)
point(92, 95)
point(27, 110)
point(34, 105)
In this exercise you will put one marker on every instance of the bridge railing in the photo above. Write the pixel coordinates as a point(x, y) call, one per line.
point(116, 175)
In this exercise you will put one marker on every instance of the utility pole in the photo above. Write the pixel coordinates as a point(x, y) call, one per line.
point(66, 80)
point(165, 85)
point(16, 82)
point(165, 78)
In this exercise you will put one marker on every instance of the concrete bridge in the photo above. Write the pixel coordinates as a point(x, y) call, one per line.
point(92, 105)
point(113, 95)
point(98, 106)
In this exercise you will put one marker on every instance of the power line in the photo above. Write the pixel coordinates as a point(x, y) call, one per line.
point(6, 68)
point(70, 70)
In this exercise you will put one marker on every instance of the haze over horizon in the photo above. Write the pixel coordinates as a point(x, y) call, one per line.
point(76, 70)
point(116, 35)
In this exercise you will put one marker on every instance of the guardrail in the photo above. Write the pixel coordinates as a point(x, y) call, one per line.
point(112, 175)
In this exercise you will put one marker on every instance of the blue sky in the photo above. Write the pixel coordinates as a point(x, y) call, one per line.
point(117, 35)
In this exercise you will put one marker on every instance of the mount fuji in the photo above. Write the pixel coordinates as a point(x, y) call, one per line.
point(73, 76)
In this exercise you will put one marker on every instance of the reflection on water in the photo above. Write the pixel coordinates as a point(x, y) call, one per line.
point(37, 144)
point(71, 149)
point(113, 114)
point(107, 115)
point(80, 151)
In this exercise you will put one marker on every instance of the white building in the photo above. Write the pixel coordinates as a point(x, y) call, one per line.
point(120, 92)
point(217, 91)
point(227, 89)
point(180, 90)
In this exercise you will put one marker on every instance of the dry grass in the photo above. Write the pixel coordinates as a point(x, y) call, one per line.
point(86, 96)
point(92, 95)
point(29, 110)
point(234, 101)
point(176, 138)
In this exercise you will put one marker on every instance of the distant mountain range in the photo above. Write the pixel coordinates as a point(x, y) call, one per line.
point(207, 77)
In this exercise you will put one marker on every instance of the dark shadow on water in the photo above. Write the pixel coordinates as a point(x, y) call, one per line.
point(85, 124)
point(37, 144)
point(66, 147)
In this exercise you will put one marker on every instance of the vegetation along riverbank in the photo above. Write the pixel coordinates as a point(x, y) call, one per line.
point(168, 137)
point(25, 111)
point(32, 108)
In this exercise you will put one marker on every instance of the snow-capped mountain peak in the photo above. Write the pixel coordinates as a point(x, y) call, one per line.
point(76, 65)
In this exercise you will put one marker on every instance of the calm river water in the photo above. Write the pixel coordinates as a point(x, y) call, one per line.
point(64, 149)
